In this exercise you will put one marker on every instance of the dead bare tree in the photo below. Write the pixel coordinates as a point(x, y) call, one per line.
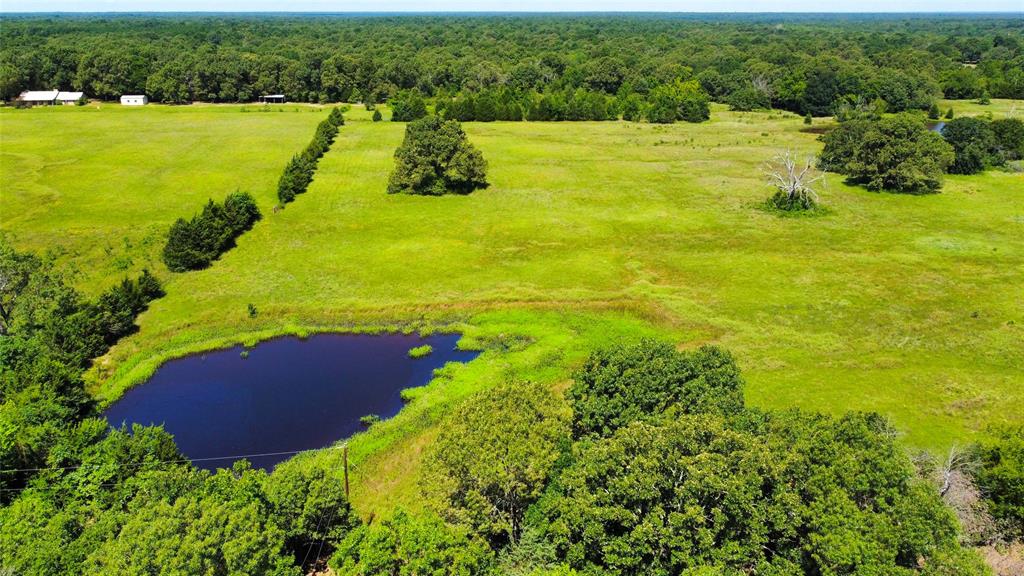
point(795, 182)
point(763, 84)
point(953, 477)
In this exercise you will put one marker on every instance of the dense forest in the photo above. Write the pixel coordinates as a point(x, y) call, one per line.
point(801, 63)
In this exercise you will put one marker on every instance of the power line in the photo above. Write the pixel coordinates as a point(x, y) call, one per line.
point(182, 461)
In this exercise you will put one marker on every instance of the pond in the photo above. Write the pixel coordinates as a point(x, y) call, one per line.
point(937, 127)
point(283, 395)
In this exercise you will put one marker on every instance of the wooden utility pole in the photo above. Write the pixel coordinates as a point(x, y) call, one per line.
point(344, 452)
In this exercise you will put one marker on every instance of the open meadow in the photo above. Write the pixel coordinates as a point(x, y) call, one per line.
point(912, 306)
point(101, 184)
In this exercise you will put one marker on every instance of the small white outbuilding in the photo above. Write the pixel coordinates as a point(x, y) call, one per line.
point(134, 100)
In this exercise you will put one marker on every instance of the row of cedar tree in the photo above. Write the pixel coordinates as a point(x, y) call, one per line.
point(195, 243)
point(665, 104)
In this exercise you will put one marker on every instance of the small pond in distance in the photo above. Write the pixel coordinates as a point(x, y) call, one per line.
point(288, 394)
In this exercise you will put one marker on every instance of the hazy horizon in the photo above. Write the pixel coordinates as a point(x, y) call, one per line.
point(356, 7)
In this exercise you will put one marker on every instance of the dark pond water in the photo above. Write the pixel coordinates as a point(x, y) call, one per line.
point(288, 394)
point(937, 127)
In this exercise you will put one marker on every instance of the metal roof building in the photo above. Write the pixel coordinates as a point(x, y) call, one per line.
point(38, 96)
point(69, 97)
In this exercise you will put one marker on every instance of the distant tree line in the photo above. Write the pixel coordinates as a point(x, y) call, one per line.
point(299, 172)
point(803, 64)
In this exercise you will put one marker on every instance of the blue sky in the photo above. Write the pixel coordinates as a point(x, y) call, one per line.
point(518, 5)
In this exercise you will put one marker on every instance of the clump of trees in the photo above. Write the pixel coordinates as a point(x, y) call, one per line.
point(1009, 136)
point(792, 492)
point(407, 105)
point(678, 100)
point(484, 106)
point(619, 385)
point(979, 144)
point(661, 469)
point(436, 158)
point(570, 106)
point(195, 243)
point(794, 183)
point(50, 334)
point(408, 545)
point(489, 482)
point(896, 153)
point(299, 172)
point(748, 98)
point(665, 103)
point(974, 145)
point(1000, 475)
point(80, 497)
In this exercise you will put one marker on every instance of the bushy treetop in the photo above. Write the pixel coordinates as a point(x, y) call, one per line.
point(622, 384)
point(897, 153)
point(436, 158)
point(974, 145)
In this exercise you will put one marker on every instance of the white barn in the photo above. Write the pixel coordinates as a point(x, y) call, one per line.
point(38, 97)
point(134, 100)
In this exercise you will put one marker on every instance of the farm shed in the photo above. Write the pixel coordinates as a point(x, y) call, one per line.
point(272, 98)
point(134, 100)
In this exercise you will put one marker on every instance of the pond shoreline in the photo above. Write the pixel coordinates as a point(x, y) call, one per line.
point(285, 395)
point(141, 366)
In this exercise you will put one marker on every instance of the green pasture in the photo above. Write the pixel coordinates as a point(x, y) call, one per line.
point(99, 185)
point(912, 306)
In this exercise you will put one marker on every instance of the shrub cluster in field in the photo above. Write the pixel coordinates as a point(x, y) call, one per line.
point(300, 169)
point(193, 244)
point(436, 158)
point(900, 154)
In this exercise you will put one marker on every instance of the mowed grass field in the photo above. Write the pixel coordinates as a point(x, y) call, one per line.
point(912, 306)
point(101, 184)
